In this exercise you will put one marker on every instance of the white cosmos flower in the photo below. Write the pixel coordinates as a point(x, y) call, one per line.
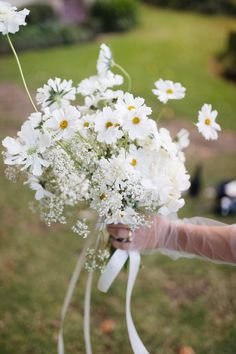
point(111, 80)
point(182, 139)
point(56, 94)
point(166, 142)
point(100, 84)
point(40, 191)
point(27, 149)
point(36, 119)
point(86, 122)
point(89, 86)
point(168, 90)
point(137, 159)
point(63, 122)
point(110, 95)
point(108, 124)
point(206, 122)
point(172, 206)
point(10, 18)
point(151, 142)
point(129, 103)
point(137, 124)
point(105, 61)
point(126, 217)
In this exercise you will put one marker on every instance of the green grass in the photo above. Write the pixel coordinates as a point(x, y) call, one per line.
point(177, 46)
point(175, 303)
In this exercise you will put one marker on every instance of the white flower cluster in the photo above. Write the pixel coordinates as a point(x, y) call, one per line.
point(96, 259)
point(10, 18)
point(106, 154)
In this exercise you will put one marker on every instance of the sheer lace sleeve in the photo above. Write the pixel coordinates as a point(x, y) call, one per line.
point(196, 237)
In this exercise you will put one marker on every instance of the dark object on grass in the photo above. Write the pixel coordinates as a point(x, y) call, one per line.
point(226, 198)
point(228, 58)
point(196, 182)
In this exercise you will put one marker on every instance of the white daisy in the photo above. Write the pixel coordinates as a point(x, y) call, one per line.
point(100, 84)
point(108, 124)
point(111, 80)
point(168, 90)
point(110, 95)
point(40, 191)
point(10, 18)
point(182, 139)
point(206, 122)
point(166, 142)
point(105, 61)
point(36, 119)
point(86, 122)
point(89, 86)
point(138, 159)
point(128, 103)
point(27, 149)
point(137, 124)
point(63, 122)
point(56, 94)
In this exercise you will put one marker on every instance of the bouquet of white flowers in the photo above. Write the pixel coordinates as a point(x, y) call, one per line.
point(107, 155)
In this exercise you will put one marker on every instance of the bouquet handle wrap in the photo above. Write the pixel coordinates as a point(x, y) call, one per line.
point(111, 271)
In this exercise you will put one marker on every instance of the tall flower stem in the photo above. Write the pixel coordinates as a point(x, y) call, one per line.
point(160, 114)
point(125, 73)
point(21, 72)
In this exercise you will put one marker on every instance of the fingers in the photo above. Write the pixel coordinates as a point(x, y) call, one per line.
point(125, 246)
point(119, 231)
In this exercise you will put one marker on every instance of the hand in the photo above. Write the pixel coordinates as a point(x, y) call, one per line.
point(144, 238)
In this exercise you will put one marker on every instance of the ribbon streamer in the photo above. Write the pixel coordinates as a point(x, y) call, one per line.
point(111, 271)
point(87, 302)
point(69, 294)
point(135, 341)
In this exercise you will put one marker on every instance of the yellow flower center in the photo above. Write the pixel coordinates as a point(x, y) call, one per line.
point(116, 125)
point(133, 162)
point(169, 91)
point(130, 108)
point(64, 124)
point(86, 124)
point(109, 125)
point(208, 121)
point(136, 120)
point(102, 196)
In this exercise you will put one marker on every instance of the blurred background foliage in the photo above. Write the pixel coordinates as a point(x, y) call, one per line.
point(227, 7)
point(177, 305)
point(104, 16)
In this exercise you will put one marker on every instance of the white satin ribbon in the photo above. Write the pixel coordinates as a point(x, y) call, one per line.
point(113, 268)
point(69, 294)
point(87, 305)
point(111, 271)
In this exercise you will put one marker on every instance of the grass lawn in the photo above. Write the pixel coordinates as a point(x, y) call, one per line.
point(175, 303)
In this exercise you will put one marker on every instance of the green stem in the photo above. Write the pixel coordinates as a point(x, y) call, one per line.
point(125, 73)
point(160, 114)
point(21, 72)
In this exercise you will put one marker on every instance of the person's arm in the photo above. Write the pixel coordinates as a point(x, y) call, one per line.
point(216, 243)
